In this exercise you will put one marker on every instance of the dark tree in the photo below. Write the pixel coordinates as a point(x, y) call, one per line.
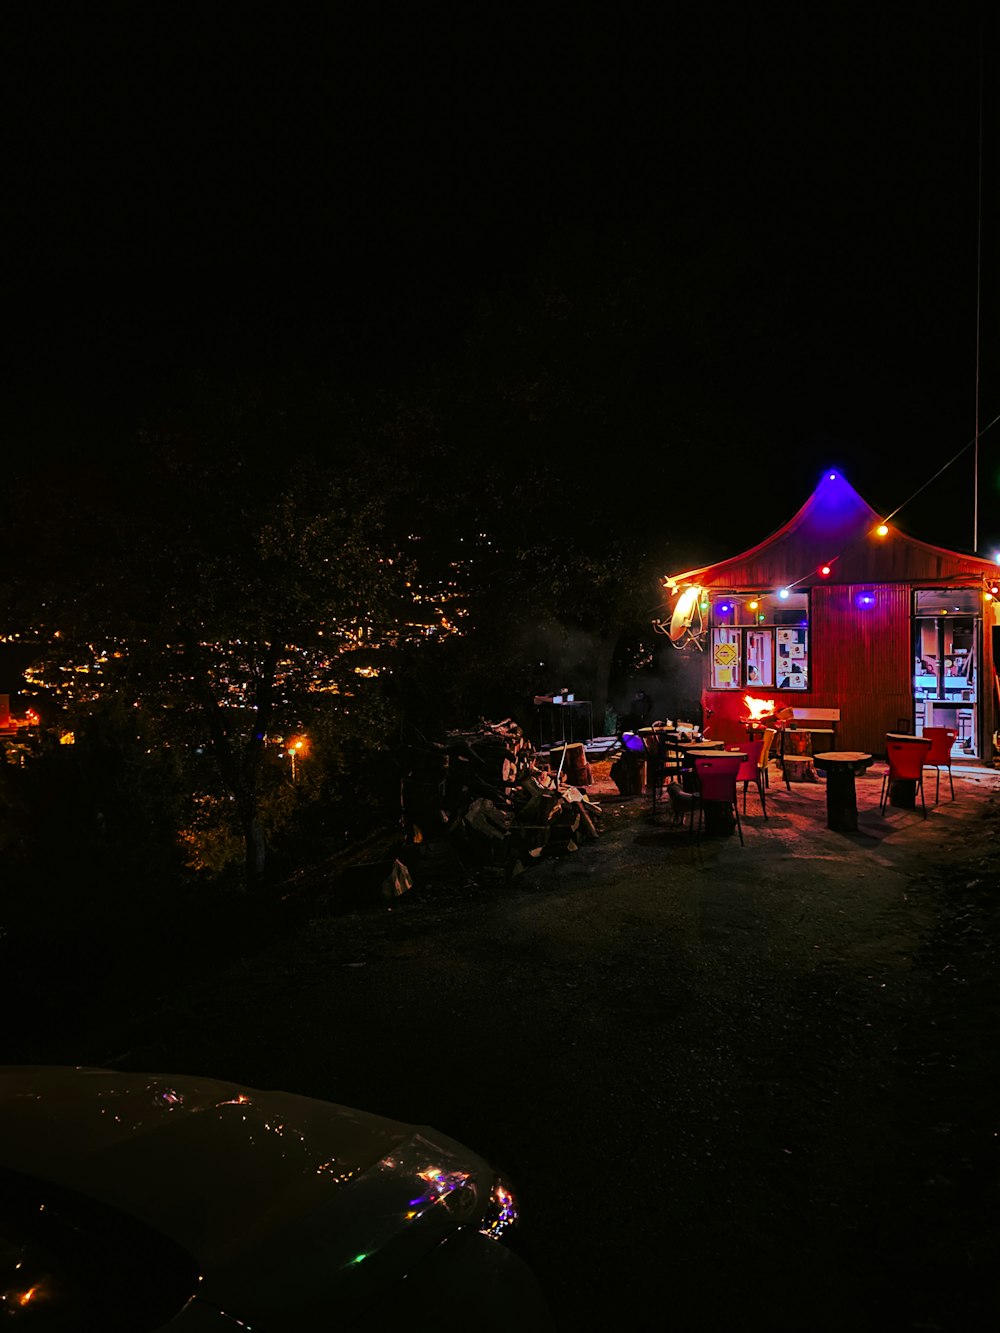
point(232, 576)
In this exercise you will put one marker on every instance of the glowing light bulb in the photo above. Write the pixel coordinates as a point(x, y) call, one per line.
point(825, 570)
point(882, 530)
point(783, 594)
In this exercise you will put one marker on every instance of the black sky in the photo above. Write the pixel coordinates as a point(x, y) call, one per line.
point(197, 201)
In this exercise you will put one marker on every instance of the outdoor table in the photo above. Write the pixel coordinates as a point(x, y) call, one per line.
point(903, 792)
point(719, 821)
point(677, 738)
point(841, 767)
point(564, 712)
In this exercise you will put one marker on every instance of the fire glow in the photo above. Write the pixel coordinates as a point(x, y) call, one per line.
point(758, 709)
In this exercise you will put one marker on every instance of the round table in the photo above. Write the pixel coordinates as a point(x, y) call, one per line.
point(841, 768)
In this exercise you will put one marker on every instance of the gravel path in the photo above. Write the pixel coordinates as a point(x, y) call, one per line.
point(737, 1087)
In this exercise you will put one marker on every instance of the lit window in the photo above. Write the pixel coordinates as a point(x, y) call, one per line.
point(762, 642)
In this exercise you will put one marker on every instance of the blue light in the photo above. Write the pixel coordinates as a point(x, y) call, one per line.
point(833, 476)
point(864, 601)
point(783, 594)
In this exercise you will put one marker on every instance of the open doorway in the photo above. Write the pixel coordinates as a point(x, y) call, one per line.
point(947, 637)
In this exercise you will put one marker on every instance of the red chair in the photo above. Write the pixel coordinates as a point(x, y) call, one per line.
point(716, 778)
point(906, 764)
point(751, 770)
point(942, 739)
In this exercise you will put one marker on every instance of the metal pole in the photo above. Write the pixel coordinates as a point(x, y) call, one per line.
point(979, 269)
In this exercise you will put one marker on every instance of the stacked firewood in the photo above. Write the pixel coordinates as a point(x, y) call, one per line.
point(485, 797)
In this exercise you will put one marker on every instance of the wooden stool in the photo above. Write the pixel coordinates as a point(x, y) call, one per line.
point(798, 768)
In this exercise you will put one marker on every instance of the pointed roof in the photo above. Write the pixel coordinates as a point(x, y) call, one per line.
point(836, 527)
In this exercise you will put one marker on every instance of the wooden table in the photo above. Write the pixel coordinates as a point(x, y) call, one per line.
point(841, 768)
point(903, 792)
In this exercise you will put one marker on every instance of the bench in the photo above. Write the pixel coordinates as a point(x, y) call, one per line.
point(807, 715)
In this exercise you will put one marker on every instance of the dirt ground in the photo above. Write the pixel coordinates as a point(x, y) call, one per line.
point(738, 1087)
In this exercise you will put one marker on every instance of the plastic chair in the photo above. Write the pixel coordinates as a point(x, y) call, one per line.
point(754, 769)
point(716, 776)
point(942, 739)
point(906, 764)
point(770, 736)
point(749, 769)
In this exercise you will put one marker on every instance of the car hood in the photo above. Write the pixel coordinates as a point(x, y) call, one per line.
point(253, 1184)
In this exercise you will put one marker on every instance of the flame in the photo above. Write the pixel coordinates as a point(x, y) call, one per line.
point(758, 709)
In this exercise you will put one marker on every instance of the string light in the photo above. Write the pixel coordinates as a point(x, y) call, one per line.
point(881, 531)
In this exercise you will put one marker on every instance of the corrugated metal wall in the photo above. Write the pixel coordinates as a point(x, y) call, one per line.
point(863, 661)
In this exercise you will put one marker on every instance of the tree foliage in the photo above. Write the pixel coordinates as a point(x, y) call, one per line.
point(231, 583)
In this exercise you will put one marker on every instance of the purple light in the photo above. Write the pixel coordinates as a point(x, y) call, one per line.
point(864, 601)
point(633, 742)
point(724, 607)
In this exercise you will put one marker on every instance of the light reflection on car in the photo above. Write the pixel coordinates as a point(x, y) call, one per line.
point(143, 1202)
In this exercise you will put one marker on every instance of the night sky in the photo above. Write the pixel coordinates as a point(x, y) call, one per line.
point(188, 204)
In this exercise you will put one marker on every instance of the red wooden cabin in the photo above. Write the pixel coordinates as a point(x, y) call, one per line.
point(831, 612)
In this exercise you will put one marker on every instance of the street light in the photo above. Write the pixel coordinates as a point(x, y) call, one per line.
point(297, 746)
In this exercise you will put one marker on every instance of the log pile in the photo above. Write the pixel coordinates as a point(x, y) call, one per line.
point(484, 797)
